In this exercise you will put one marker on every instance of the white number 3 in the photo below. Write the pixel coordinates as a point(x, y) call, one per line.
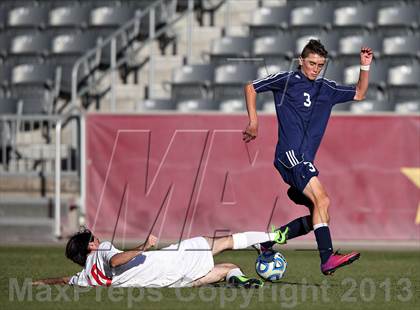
point(307, 102)
point(311, 167)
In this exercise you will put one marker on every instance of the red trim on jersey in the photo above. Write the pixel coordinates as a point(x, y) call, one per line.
point(99, 276)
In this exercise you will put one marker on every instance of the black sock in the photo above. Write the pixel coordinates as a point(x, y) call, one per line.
point(298, 227)
point(323, 239)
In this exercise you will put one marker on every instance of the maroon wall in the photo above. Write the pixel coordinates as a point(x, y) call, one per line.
point(191, 175)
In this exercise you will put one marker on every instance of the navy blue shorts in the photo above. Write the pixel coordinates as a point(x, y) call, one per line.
point(297, 176)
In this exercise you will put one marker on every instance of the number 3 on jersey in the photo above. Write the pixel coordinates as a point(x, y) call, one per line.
point(307, 102)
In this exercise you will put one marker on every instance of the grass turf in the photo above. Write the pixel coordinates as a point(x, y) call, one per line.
point(379, 280)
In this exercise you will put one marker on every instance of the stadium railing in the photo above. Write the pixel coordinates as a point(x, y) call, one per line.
point(32, 145)
point(126, 34)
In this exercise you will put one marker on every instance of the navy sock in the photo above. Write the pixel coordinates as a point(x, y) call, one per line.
point(298, 227)
point(323, 239)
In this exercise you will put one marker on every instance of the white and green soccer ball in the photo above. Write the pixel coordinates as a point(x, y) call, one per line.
point(271, 266)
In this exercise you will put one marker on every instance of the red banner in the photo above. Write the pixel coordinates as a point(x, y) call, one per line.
point(189, 175)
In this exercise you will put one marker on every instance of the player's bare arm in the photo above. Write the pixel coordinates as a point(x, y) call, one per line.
point(126, 256)
point(52, 281)
point(366, 56)
point(251, 131)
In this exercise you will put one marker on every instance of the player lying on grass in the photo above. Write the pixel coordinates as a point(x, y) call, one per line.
point(303, 103)
point(188, 263)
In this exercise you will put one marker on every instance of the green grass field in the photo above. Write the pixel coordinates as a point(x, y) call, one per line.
point(379, 280)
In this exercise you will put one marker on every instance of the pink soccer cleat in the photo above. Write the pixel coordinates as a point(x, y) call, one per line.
point(338, 260)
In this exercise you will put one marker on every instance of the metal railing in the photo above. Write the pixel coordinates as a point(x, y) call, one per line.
point(126, 34)
point(31, 146)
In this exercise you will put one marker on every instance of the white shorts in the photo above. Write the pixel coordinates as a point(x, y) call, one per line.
point(197, 260)
point(177, 265)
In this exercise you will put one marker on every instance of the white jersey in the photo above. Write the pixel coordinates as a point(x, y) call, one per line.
point(175, 266)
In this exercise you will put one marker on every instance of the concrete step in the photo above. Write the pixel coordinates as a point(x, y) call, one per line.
point(17, 229)
point(29, 207)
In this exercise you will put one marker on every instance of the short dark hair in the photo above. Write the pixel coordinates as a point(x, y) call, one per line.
point(77, 247)
point(314, 46)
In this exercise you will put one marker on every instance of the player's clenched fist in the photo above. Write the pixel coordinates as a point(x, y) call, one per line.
point(250, 132)
point(151, 242)
point(366, 56)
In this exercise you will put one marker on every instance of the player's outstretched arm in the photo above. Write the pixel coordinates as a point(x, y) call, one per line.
point(124, 257)
point(52, 281)
point(366, 56)
point(251, 131)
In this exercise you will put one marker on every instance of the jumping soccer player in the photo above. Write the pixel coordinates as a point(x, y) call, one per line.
point(303, 107)
point(189, 263)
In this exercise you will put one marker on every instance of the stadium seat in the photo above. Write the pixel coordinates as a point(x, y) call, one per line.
point(233, 105)
point(106, 19)
point(355, 19)
point(268, 21)
point(349, 47)
point(342, 107)
point(27, 17)
point(408, 107)
point(369, 106)
point(401, 49)
point(306, 19)
point(398, 20)
point(404, 75)
point(334, 71)
point(35, 85)
point(3, 16)
point(194, 105)
point(229, 47)
point(274, 49)
point(4, 45)
point(230, 80)
point(28, 48)
point(404, 82)
point(268, 106)
point(377, 74)
point(66, 18)
point(329, 40)
point(65, 50)
point(156, 105)
point(9, 106)
point(191, 82)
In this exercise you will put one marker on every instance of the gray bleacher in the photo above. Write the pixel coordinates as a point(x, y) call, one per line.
point(279, 33)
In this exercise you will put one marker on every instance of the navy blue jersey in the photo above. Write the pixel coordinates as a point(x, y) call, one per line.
point(303, 109)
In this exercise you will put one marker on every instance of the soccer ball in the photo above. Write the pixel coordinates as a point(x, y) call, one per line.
point(271, 266)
